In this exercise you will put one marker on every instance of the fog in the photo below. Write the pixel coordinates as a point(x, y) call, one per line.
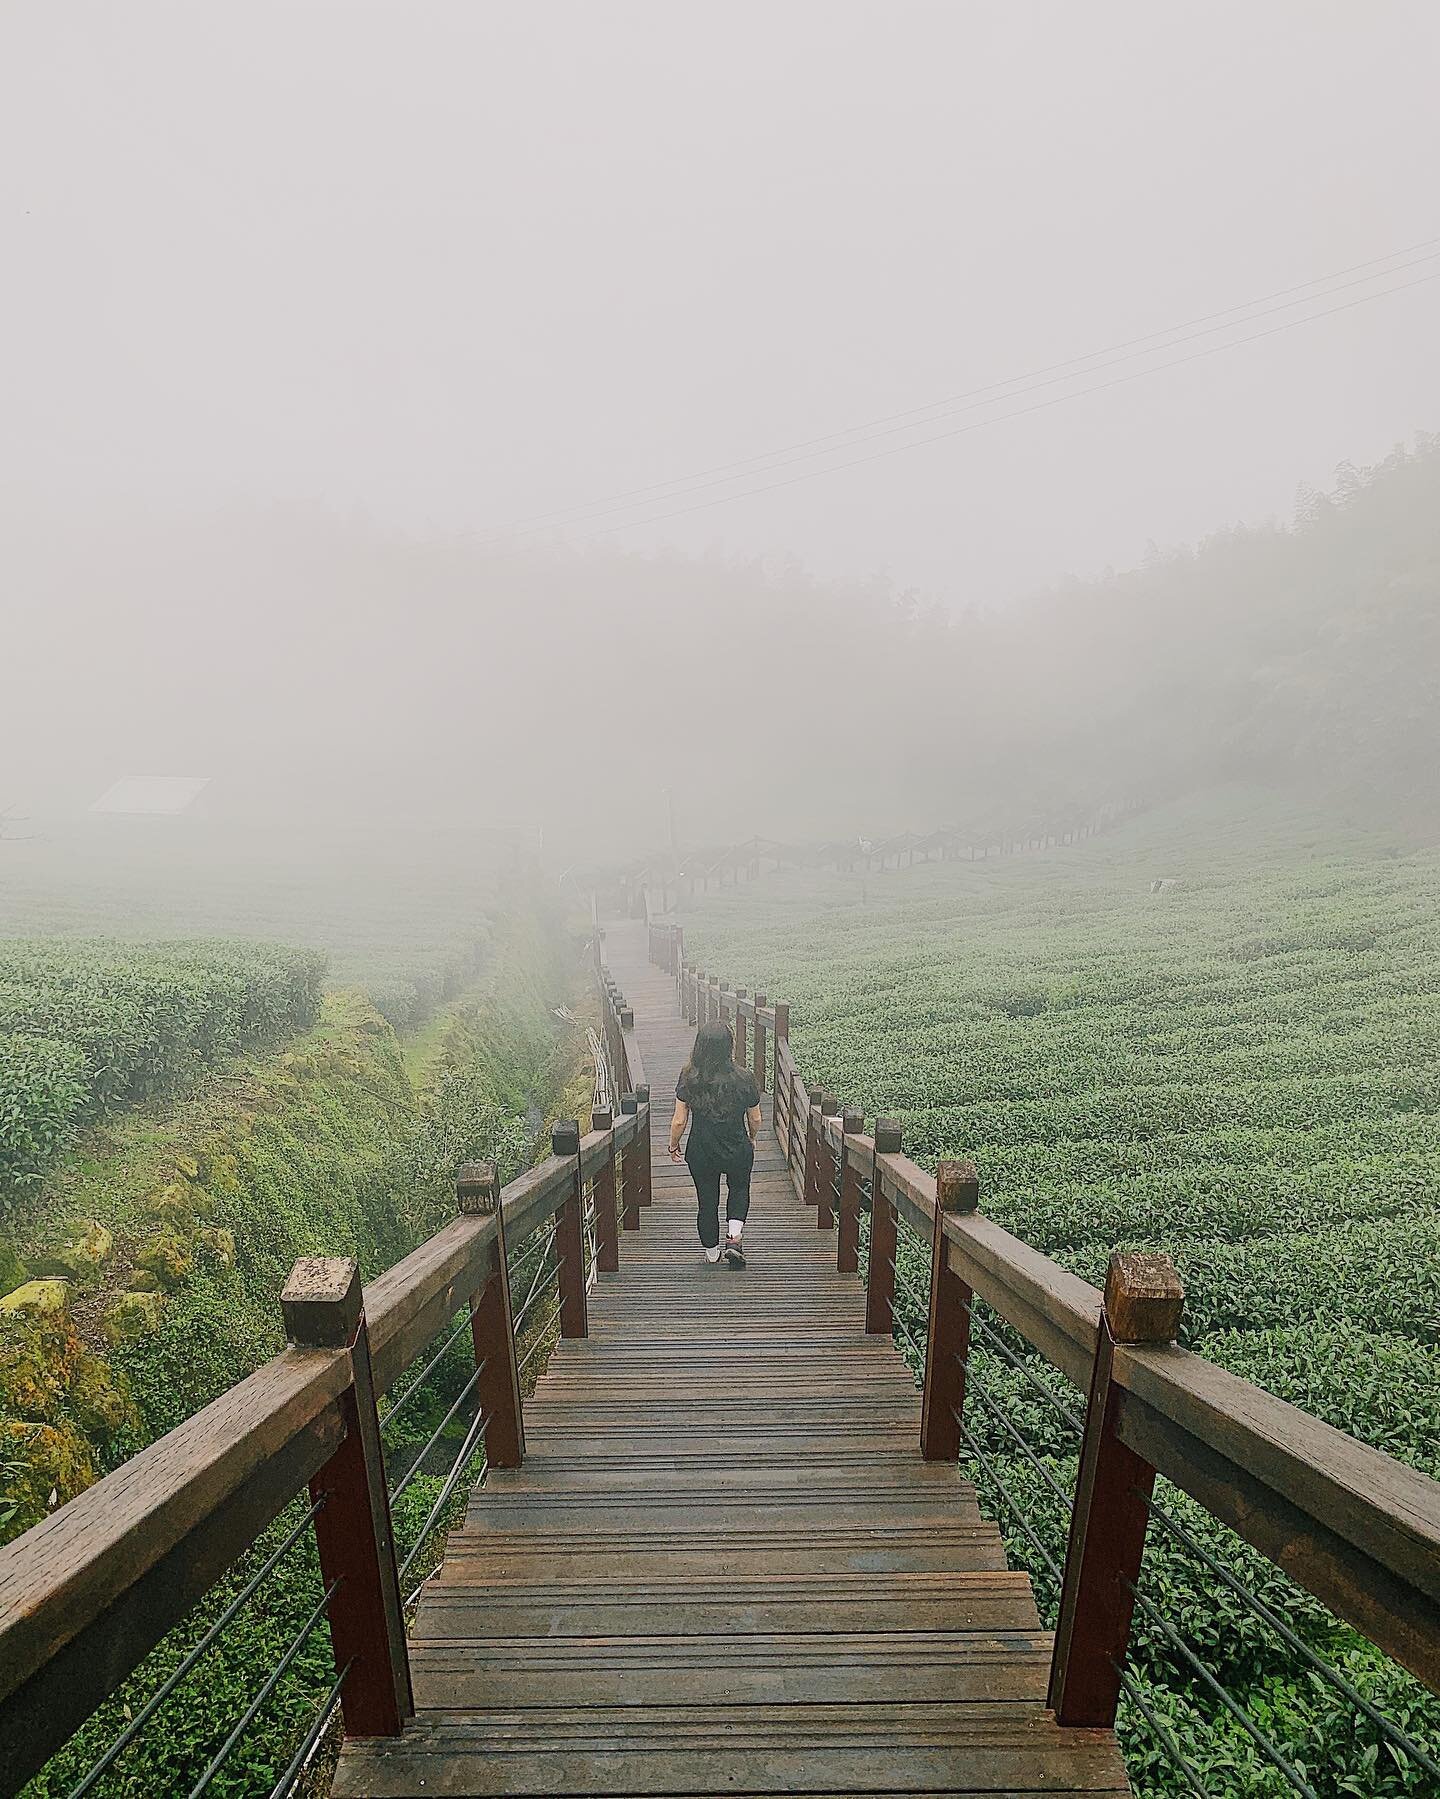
point(505, 412)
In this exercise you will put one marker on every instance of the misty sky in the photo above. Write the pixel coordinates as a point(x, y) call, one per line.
point(455, 262)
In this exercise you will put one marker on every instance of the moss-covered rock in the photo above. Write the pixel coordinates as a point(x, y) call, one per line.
point(82, 1259)
point(143, 1281)
point(45, 1464)
point(173, 1207)
point(37, 1298)
point(217, 1245)
point(13, 1272)
point(49, 1376)
point(131, 1315)
point(168, 1257)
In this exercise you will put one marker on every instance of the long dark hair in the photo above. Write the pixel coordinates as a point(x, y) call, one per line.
point(711, 1076)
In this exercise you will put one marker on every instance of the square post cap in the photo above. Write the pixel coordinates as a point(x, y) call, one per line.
point(565, 1138)
point(888, 1136)
point(852, 1122)
point(629, 1103)
point(957, 1186)
point(760, 999)
point(322, 1301)
point(627, 1019)
point(829, 1105)
point(601, 1118)
point(477, 1186)
point(815, 1095)
point(642, 1094)
point(1144, 1297)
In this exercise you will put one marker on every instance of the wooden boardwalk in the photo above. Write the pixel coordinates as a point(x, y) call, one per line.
point(724, 1567)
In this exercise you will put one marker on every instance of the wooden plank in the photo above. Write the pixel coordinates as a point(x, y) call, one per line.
point(724, 1565)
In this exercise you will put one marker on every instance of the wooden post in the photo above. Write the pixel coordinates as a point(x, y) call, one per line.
point(323, 1308)
point(757, 1063)
point(1143, 1303)
point(625, 1022)
point(880, 1280)
point(782, 1025)
point(607, 1234)
point(812, 1158)
point(741, 1054)
point(492, 1329)
point(847, 1238)
point(642, 1100)
point(570, 1236)
point(947, 1337)
point(825, 1166)
point(630, 1172)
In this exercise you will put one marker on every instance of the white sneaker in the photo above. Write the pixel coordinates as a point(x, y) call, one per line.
point(713, 1255)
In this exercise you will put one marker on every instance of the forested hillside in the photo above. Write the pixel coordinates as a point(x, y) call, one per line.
point(1304, 652)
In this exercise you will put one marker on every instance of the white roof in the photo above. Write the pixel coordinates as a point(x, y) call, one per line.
point(151, 793)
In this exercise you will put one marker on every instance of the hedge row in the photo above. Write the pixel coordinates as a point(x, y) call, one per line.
point(89, 1026)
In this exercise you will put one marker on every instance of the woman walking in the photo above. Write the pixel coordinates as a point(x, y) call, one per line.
point(721, 1103)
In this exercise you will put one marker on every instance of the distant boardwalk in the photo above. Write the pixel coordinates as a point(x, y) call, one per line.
point(724, 1566)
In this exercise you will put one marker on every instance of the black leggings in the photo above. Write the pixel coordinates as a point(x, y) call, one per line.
point(706, 1176)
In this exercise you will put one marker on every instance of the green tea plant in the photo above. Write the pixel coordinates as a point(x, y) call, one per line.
point(1242, 1070)
point(88, 1026)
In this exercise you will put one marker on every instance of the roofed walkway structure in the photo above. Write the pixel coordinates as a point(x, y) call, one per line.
point(723, 1566)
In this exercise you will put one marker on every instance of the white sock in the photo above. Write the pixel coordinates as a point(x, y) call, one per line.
point(713, 1255)
point(733, 1228)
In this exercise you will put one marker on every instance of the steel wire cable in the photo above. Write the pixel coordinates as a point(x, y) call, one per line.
point(256, 1705)
point(539, 1342)
point(919, 1300)
point(1395, 1733)
point(540, 1277)
point(172, 1680)
point(1219, 320)
point(457, 1467)
point(1066, 1499)
point(536, 1294)
point(392, 1412)
point(1262, 1741)
point(1016, 1510)
point(1003, 1349)
point(435, 1435)
point(1161, 1732)
point(285, 1785)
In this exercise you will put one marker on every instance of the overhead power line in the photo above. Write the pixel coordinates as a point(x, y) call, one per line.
point(1000, 418)
point(997, 392)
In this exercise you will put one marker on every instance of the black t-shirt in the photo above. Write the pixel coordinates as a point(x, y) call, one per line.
point(717, 1131)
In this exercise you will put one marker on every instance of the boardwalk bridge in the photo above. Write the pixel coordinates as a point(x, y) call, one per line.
point(723, 1543)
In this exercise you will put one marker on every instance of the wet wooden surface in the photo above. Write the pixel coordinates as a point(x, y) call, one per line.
point(723, 1567)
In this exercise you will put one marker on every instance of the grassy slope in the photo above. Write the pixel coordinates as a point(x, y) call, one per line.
point(1245, 1072)
point(343, 1143)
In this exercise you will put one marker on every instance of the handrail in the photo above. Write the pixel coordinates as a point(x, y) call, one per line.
point(89, 1591)
point(1352, 1525)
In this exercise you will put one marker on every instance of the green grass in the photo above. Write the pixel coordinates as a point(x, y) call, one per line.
point(1244, 1072)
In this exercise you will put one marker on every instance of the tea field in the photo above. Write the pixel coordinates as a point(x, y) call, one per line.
point(399, 909)
point(1243, 1070)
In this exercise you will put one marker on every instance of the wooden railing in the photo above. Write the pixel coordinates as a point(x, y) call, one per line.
point(86, 1594)
point(1354, 1527)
